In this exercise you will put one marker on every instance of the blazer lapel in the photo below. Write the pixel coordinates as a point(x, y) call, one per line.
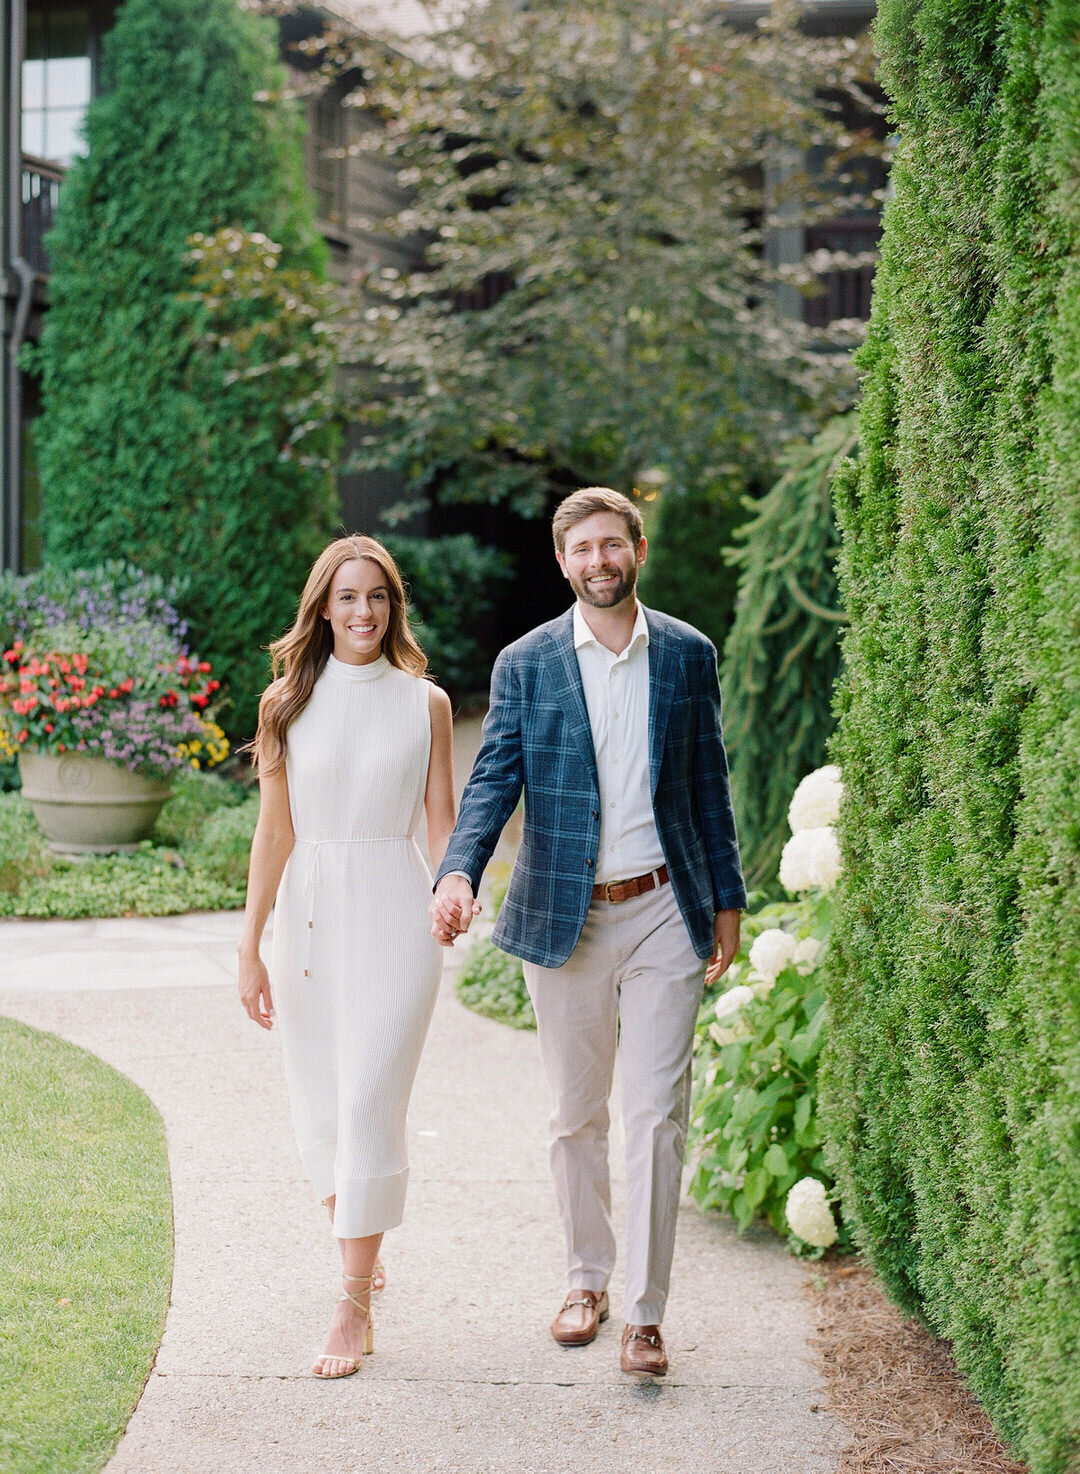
point(663, 669)
point(565, 676)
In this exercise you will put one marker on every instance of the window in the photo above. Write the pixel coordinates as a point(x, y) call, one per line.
point(330, 173)
point(56, 80)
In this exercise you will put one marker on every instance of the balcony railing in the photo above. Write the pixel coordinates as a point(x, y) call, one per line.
point(845, 292)
point(41, 181)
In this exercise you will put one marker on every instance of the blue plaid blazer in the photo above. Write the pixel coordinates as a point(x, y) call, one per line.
point(537, 738)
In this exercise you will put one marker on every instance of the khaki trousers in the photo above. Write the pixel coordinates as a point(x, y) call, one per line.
point(633, 985)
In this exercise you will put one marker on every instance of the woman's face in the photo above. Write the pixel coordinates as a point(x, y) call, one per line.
point(358, 609)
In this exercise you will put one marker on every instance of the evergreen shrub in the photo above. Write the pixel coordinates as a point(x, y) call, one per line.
point(953, 1069)
point(782, 654)
point(185, 422)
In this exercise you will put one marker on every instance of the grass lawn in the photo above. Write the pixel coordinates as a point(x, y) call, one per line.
point(195, 861)
point(85, 1252)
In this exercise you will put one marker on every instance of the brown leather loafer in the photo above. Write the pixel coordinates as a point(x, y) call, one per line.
point(579, 1319)
point(643, 1353)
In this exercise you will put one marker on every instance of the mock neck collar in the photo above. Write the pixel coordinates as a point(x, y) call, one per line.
point(341, 670)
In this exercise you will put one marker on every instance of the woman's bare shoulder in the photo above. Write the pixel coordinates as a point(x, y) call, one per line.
point(439, 703)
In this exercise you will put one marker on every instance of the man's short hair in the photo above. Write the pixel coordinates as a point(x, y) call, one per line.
point(581, 504)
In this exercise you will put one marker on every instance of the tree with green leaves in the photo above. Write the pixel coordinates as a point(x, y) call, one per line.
point(186, 419)
point(592, 181)
point(783, 652)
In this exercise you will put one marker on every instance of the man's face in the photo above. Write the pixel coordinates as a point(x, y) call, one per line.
point(601, 561)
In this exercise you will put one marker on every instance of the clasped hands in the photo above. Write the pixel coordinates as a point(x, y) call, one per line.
point(452, 909)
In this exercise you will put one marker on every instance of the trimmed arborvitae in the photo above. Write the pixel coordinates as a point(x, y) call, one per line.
point(781, 657)
point(180, 430)
point(953, 1080)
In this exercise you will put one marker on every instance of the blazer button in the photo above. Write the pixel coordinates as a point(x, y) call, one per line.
point(589, 863)
point(596, 813)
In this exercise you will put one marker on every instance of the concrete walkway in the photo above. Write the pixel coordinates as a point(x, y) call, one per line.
point(465, 1379)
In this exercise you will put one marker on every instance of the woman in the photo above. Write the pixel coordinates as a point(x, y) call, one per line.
point(352, 741)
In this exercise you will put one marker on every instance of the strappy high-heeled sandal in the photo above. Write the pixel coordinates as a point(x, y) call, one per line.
point(353, 1365)
point(378, 1277)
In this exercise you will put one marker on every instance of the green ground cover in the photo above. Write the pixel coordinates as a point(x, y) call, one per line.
point(196, 859)
point(86, 1253)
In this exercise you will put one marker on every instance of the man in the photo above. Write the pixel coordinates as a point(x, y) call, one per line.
point(626, 886)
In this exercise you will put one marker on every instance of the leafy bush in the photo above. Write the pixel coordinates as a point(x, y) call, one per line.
point(492, 982)
point(185, 414)
point(452, 585)
point(24, 854)
point(196, 798)
point(952, 1073)
point(224, 848)
point(755, 1123)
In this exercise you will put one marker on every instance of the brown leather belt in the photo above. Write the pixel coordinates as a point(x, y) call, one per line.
point(615, 891)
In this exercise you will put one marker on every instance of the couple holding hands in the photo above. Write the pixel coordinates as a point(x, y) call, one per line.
point(624, 900)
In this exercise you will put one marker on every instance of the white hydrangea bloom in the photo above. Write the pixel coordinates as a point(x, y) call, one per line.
point(761, 990)
point(807, 955)
point(809, 1215)
point(730, 1002)
point(816, 801)
point(810, 861)
point(738, 1029)
point(771, 953)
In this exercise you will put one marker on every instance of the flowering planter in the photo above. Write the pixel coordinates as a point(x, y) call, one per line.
point(88, 805)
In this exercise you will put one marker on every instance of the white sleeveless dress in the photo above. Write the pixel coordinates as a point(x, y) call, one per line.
point(354, 969)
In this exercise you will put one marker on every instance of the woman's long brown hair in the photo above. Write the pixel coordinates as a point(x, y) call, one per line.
point(298, 658)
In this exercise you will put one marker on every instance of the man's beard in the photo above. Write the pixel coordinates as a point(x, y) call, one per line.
point(606, 598)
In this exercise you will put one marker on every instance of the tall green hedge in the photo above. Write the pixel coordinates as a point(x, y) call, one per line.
point(953, 1081)
point(154, 445)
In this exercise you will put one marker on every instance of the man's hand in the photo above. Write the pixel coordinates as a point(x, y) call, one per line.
point(452, 909)
point(725, 929)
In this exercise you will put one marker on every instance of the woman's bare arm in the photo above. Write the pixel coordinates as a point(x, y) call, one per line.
point(270, 849)
point(439, 794)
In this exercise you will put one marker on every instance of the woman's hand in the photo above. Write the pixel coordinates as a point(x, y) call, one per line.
point(255, 991)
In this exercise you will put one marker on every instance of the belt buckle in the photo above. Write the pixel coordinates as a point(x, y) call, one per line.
point(608, 897)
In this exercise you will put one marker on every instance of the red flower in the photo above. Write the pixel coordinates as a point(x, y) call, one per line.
point(204, 666)
point(48, 726)
point(23, 735)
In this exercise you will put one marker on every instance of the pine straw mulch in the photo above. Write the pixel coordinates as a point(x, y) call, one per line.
point(894, 1386)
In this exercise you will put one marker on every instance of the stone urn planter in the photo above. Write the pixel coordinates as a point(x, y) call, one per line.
point(88, 805)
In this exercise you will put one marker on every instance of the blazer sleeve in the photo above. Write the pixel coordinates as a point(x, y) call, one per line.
point(494, 786)
point(713, 793)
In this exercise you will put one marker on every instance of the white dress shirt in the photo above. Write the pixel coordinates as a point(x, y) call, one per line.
point(617, 698)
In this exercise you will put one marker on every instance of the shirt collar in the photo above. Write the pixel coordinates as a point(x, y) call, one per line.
point(583, 635)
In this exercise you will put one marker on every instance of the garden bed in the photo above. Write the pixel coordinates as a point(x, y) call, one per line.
point(196, 859)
